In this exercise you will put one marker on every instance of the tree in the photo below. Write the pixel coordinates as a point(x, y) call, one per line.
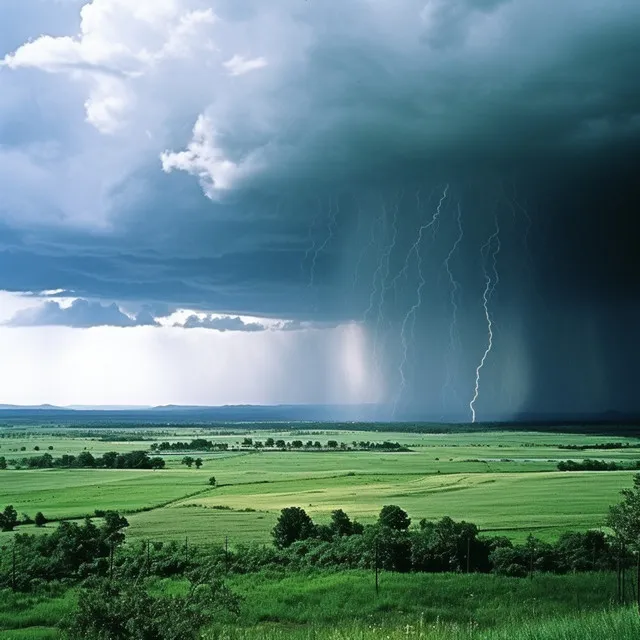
point(332, 444)
point(269, 442)
point(113, 525)
point(3, 462)
point(157, 463)
point(85, 460)
point(212, 481)
point(40, 520)
point(122, 611)
point(624, 519)
point(8, 519)
point(198, 462)
point(394, 517)
point(188, 460)
point(281, 444)
point(293, 524)
point(341, 524)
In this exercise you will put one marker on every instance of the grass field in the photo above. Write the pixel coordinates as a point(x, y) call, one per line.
point(341, 605)
point(504, 482)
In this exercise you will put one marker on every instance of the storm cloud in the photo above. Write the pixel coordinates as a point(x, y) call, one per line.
point(279, 160)
point(80, 314)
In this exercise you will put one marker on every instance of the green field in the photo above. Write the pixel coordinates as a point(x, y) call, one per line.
point(504, 482)
point(343, 605)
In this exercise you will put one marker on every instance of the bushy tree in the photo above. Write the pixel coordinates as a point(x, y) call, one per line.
point(188, 461)
point(198, 462)
point(113, 527)
point(125, 611)
point(3, 463)
point(624, 518)
point(212, 481)
point(40, 520)
point(8, 518)
point(293, 524)
point(394, 517)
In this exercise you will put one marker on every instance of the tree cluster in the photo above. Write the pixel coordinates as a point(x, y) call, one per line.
point(85, 460)
point(595, 465)
point(199, 444)
point(70, 552)
point(442, 546)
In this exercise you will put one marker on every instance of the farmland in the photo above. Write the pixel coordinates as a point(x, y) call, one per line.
point(503, 481)
point(507, 483)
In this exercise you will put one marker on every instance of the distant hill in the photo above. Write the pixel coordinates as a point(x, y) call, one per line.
point(350, 416)
point(38, 407)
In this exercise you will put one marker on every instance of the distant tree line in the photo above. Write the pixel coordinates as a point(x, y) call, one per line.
point(199, 444)
point(85, 460)
point(600, 445)
point(596, 465)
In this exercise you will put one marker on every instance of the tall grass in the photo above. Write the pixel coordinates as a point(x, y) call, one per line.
point(484, 600)
point(610, 625)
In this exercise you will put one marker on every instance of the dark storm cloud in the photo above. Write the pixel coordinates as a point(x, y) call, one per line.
point(363, 113)
point(80, 314)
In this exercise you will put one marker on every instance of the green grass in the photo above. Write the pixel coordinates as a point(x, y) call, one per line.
point(504, 482)
point(344, 605)
point(33, 616)
point(609, 625)
point(510, 504)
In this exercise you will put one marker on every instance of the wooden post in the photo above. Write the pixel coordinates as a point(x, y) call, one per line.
point(624, 572)
point(638, 579)
point(531, 564)
point(618, 576)
point(376, 568)
point(13, 566)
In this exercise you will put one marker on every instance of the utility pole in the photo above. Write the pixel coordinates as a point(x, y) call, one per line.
point(624, 572)
point(468, 554)
point(226, 553)
point(111, 560)
point(376, 568)
point(531, 564)
point(638, 579)
point(618, 572)
point(186, 548)
point(13, 566)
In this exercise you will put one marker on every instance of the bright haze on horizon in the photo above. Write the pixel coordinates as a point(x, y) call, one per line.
point(431, 204)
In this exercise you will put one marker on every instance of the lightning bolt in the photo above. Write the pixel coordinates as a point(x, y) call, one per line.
point(382, 272)
point(490, 248)
point(333, 215)
point(381, 222)
point(411, 314)
point(454, 338)
point(311, 240)
point(370, 245)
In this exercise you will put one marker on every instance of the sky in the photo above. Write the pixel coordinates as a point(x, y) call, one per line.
point(427, 204)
